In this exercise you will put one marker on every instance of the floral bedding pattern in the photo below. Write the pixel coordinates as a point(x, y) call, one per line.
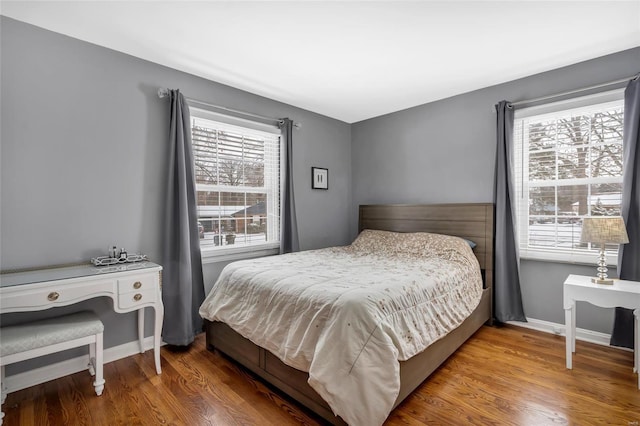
point(347, 315)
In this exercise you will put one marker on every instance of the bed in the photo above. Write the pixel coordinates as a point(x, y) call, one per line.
point(474, 222)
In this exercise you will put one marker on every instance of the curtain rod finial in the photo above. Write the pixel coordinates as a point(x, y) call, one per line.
point(163, 92)
point(296, 124)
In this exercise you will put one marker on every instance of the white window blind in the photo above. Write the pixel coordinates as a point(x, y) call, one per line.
point(568, 166)
point(237, 172)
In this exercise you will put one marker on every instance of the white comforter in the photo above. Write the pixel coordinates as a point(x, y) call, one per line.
point(347, 315)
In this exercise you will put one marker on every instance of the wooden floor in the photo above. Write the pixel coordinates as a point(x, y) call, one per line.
point(501, 376)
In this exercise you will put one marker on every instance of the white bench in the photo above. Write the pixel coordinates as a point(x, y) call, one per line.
point(30, 340)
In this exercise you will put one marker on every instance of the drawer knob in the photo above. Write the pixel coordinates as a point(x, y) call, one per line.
point(53, 296)
point(137, 297)
point(137, 285)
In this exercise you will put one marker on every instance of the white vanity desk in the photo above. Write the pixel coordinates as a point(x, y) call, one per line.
point(132, 286)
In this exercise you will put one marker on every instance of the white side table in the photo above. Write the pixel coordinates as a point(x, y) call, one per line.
point(622, 293)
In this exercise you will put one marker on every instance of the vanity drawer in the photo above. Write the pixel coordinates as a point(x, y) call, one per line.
point(137, 283)
point(51, 296)
point(141, 297)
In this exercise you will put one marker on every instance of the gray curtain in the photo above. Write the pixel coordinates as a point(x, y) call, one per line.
point(289, 225)
point(506, 290)
point(182, 282)
point(629, 254)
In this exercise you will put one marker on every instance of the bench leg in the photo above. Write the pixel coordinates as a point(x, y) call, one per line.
point(98, 384)
point(92, 359)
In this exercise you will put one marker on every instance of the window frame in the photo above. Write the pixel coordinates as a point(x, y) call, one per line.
point(521, 160)
point(213, 254)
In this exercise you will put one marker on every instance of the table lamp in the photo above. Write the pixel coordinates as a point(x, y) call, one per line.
point(603, 230)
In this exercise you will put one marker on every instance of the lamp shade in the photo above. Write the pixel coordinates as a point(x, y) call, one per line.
point(604, 230)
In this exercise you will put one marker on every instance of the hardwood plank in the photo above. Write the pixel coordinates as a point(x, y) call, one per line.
point(501, 376)
point(205, 394)
point(141, 393)
point(73, 400)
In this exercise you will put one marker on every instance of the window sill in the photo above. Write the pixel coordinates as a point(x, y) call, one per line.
point(588, 259)
point(213, 255)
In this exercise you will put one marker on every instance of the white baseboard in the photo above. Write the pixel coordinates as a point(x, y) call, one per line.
point(555, 328)
point(40, 375)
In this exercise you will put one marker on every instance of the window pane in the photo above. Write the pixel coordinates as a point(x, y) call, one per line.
point(606, 126)
point(207, 198)
point(568, 234)
point(251, 222)
point(605, 199)
point(572, 163)
point(230, 159)
point(572, 201)
point(542, 232)
point(254, 162)
point(204, 143)
point(542, 202)
point(573, 130)
point(230, 171)
point(606, 160)
point(542, 165)
point(232, 201)
point(542, 135)
point(209, 216)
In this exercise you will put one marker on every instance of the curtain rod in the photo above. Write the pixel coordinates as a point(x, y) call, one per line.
point(164, 92)
point(571, 92)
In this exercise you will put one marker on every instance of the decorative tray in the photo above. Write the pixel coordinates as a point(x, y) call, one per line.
point(106, 260)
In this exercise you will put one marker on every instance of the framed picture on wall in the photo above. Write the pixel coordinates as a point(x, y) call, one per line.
point(319, 178)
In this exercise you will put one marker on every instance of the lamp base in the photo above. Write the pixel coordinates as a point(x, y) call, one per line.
point(606, 281)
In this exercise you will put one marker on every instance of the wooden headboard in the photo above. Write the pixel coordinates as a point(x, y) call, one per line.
point(473, 221)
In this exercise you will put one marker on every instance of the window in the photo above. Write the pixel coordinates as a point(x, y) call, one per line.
point(237, 170)
point(568, 166)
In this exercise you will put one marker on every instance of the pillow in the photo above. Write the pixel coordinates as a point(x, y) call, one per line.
point(374, 241)
point(471, 243)
point(414, 244)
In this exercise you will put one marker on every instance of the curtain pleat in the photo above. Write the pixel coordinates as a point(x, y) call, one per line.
point(629, 254)
point(182, 280)
point(506, 291)
point(289, 225)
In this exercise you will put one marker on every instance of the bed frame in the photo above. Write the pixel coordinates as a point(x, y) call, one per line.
point(471, 221)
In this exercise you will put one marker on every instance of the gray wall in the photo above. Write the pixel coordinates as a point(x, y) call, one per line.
point(444, 151)
point(84, 157)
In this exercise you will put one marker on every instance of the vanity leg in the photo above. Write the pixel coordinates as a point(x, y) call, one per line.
point(141, 329)
point(159, 311)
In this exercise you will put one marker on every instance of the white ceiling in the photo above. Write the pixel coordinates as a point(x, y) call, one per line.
point(348, 60)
